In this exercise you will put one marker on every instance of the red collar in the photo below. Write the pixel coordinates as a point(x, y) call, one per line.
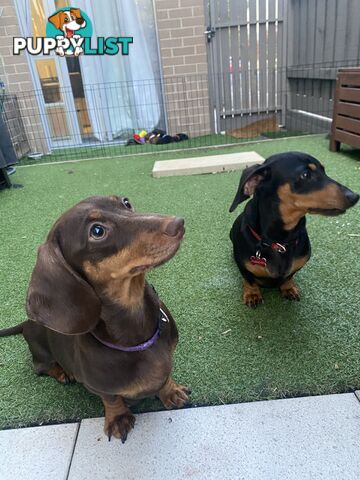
point(278, 247)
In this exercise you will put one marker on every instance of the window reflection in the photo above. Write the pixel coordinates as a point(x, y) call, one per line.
point(49, 80)
point(38, 18)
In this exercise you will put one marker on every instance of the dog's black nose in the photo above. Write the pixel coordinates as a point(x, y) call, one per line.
point(351, 197)
point(174, 227)
point(79, 21)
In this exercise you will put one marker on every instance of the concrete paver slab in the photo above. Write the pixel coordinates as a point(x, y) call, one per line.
point(208, 164)
point(37, 453)
point(302, 438)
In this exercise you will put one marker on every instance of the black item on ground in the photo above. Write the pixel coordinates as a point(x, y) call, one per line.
point(158, 137)
point(7, 154)
point(4, 179)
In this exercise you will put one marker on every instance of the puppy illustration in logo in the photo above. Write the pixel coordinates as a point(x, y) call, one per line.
point(68, 21)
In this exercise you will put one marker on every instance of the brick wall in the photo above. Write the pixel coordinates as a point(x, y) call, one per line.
point(15, 73)
point(181, 25)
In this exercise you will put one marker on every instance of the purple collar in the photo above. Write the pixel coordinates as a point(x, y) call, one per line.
point(142, 346)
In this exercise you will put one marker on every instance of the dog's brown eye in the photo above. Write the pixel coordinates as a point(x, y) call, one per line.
point(97, 232)
point(66, 20)
point(127, 203)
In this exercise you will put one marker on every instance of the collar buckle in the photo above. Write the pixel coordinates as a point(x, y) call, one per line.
point(278, 247)
point(163, 316)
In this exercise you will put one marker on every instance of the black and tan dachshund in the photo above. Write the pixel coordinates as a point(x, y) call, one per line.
point(269, 238)
point(93, 317)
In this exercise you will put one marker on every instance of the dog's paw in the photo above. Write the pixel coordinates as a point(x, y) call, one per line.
point(120, 426)
point(60, 375)
point(174, 395)
point(252, 295)
point(66, 379)
point(252, 300)
point(290, 291)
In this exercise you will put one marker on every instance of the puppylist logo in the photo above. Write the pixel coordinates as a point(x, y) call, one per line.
point(68, 32)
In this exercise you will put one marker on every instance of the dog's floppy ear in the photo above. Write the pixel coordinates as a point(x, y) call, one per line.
point(58, 297)
point(250, 179)
point(57, 19)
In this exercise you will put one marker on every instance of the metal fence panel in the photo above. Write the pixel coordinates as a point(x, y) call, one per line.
point(273, 65)
point(11, 115)
point(247, 55)
point(324, 36)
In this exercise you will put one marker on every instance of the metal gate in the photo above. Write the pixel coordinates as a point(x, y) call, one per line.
point(246, 51)
point(11, 116)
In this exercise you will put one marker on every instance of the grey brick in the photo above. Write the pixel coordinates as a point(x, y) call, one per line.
point(181, 13)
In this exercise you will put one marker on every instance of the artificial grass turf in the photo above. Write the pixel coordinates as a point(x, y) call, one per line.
point(227, 352)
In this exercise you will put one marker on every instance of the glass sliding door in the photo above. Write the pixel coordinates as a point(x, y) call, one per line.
point(53, 96)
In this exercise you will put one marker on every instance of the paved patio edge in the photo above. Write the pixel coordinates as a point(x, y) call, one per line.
point(307, 438)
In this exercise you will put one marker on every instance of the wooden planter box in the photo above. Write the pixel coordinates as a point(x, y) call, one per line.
point(346, 117)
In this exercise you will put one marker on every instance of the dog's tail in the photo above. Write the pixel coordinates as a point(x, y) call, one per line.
point(6, 332)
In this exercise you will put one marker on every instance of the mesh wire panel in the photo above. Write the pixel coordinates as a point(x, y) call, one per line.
point(114, 119)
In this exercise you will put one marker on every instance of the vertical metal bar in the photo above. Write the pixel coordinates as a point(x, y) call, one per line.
point(213, 63)
point(267, 55)
point(276, 55)
point(248, 45)
point(162, 90)
point(258, 46)
point(231, 63)
point(285, 41)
